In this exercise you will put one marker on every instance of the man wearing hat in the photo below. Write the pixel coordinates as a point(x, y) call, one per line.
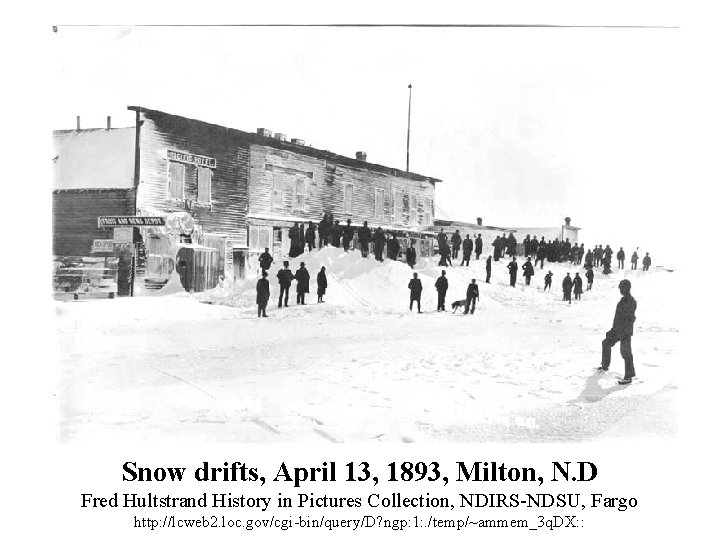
point(622, 331)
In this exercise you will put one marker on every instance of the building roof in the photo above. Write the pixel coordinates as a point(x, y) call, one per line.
point(299, 149)
point(451, 223)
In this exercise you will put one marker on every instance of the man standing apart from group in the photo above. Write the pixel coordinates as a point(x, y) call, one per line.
point(467, 247)
point(285, 277)
point(471, 297)
point(263, 294)
point(513, 269)
point(441, 284)
point(528, 270)
point(646, 262)
point(622, 331)
point(415, 287)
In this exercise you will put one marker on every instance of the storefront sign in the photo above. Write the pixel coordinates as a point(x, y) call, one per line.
point(102, 246)
point(130, 221)
point(200, 161)
point(122, 235)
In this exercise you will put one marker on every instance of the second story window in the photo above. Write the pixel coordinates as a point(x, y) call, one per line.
point(379, 203)
point(398, 214)
point(413, 209)
point(204, 185)
point(348, 198)
point(300, 192)
point(276, 196)
point(176, 180)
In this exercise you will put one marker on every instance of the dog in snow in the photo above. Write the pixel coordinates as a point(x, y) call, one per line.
point(458, 304)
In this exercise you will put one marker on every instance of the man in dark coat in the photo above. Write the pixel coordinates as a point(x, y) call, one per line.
point(441, 284)
point(633, 260)
point(590, 275)
point(295, 245)
point(541, 252)
point(393, 248)
point(497, 248)
point(471, 297)
point(589, 258)
point(265, 260)
point(513, 269)
point(528, 270)
point(445, 255)
point(323, 231)
point(646, 262)
point(302, 276)
point(581, 253)
point(622, 331)
point(364, 235)
point(526, 245)
point(621, 258)
point(478, 246)
point(310, 235)
point(512, 245)
point(285, 277)
point(411, 254)
point(321, 285)
point(415, 287)
point(548, 280)
point(467, 246)
point(503, 245)
point(577, 285)
point(597, 255)
point(488, 268)
point(379, 243)
point(534, 247)
point(348, 232)
point(336, 233)
point(442, 238)
point(607, 254)
point(263, 294)
point(567, 286)
point(456, 240)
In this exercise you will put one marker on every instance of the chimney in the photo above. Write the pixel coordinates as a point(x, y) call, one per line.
point(108, 122)
point(567, 221)
point(280, 136)
point(78, 122)
point(479, 221)
point(361, 156)
point(299, 142)
point(264, 132)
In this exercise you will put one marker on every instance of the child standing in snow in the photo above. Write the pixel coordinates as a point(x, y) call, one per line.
point(548, 280)
point(590, 275)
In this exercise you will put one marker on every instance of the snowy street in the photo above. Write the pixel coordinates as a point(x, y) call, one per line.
point(361, 367)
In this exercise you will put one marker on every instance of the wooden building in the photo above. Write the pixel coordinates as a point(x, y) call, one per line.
point(227, 190)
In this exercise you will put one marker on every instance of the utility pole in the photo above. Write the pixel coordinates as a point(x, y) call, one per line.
point(407, 165)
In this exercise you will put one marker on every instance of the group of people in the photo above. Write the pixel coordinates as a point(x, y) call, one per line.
point(450, 249)
point(285, 278)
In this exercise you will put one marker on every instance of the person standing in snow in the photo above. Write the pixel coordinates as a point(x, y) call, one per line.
point(415, 287)
point(512, 245)
point(441, 284)
point(393, 247)
point(336, 231)
point(513, 270)
point(263, 294)
point(348, 232)
point(590, 275)
point(497, 248)
point(445, 255)
point(379, 244)
point(285, 277)
point(577, 286)
point(302, 276)
point(534, 247)
point(526, 245)
point(567, 286)
point(528, 270)
point(633, 260)
point(364, 235)
point(622, 331)
point(471, 297)
point(478, 247)
point(548, 280)
point(467, 247)
point(310, 235)
point(265, 260)
point(646, 262)
point(295, 243)
point(456, 240)
point(488, 268)
point(621, 258)
point(541, 252)
point(503, 245)
point(589, 258)
point(321, 285)
point(411, 254)
point(323, 231)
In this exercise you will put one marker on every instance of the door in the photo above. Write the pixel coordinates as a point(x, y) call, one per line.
point(239, 263)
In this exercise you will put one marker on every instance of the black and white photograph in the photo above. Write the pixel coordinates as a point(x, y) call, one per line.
point(365, 233)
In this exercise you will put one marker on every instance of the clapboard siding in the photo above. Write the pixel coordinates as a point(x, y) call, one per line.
point(75, 214)
point(325, 181)
point(229, 192)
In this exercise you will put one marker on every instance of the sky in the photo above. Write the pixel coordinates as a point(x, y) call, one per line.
point(524, 126)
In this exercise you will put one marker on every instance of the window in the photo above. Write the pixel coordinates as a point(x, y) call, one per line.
point(379, 202)
point(428, 212)
point(300, 190)
point(398, 206)
point(260, 238)
point(176, 180)
point(413, 209)
point(348, 198)
point(204, 183)
point(276, 197)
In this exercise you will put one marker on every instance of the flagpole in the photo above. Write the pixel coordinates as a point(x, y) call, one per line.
point(407, 165)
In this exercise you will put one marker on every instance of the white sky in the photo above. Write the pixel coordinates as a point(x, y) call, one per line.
point(524, 126)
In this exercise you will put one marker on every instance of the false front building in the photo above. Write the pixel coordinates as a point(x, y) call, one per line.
point(224, 195)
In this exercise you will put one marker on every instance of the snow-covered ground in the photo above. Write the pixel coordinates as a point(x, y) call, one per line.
point(362, 367)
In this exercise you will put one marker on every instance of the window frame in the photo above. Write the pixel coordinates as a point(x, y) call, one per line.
point(210, 175)
point(277, 196)
point(351, 187)
point(182, 166)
